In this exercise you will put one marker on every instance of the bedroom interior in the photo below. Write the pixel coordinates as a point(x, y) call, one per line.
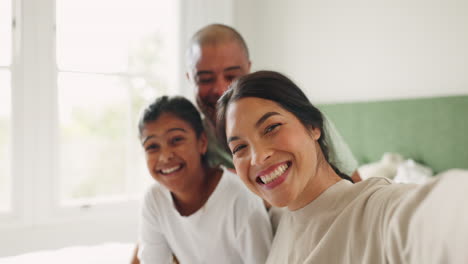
point(391, 75)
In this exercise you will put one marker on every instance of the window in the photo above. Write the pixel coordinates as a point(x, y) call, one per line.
point(5, 104)
point(113, 57)
point(74, 76)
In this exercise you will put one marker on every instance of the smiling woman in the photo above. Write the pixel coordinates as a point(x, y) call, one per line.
point(259, 116)
point(276, 137)
point(196, 213)
point(269, 175)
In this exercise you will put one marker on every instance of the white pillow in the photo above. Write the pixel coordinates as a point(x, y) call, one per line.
point(386, 167)
point(412, 172)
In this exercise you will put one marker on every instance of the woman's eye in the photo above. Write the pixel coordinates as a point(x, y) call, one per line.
point(237, 149)
point(268, 129)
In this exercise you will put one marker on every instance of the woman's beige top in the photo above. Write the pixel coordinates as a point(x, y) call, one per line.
point(375, 221)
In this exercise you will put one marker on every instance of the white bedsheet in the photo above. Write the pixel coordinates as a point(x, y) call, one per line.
point(115, 253)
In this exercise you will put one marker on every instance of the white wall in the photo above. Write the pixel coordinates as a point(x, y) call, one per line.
point(361, 50)
point(195, 15)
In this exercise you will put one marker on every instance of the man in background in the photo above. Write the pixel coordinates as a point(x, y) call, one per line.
point(216, 55)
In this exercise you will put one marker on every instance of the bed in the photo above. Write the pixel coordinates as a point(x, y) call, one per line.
point(111, 253)
point(431, 131)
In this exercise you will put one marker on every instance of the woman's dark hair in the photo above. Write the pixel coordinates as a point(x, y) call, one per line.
point(176, 105)
point(278, 88)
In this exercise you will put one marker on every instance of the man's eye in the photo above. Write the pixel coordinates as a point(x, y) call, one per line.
point(230, 78)
point(268, 129)
point(205, 81)
point(237, 149)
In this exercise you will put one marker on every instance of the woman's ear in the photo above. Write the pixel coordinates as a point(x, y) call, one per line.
point(203, 143)
point(315, 132)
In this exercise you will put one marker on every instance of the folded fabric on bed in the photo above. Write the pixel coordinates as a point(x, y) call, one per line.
point(395, 167)
point(115, 253)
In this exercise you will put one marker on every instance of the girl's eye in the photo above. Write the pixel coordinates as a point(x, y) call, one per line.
point(151, 147)
point(238, 148)
point(268, 129)
point(177, 140)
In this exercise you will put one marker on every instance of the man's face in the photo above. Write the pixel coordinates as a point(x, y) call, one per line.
point(215, 67)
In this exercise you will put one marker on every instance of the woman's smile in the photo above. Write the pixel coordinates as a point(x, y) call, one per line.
point(273, 176)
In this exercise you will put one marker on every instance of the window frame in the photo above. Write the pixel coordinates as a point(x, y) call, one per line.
point(35, 126)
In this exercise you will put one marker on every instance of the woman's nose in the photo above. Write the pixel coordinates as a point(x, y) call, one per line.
point(260, 154)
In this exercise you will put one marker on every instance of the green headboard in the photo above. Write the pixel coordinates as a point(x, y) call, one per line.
point(432, 131)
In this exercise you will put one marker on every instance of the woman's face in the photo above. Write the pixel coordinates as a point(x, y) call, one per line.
point(173, 152)
point(274, 154)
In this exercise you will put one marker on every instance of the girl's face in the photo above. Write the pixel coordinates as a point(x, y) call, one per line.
point(274, 154)
point(173, 152)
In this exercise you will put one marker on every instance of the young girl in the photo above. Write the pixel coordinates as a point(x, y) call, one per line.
point(197, 213)
point(279, 151)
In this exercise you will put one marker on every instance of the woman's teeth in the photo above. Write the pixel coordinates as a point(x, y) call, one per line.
point(170, 170)
point(275, 174)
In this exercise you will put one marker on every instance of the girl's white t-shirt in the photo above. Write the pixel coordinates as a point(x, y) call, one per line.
point(232, 227)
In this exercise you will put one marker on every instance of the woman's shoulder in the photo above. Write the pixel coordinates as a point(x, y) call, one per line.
point(376, 197)
point(381, 188)
point(374, 181)
point(360, 189)
point(381, 185)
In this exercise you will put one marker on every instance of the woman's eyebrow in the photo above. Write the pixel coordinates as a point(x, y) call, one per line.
point(230, 139)
point(264, 118)
point(257, 124)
